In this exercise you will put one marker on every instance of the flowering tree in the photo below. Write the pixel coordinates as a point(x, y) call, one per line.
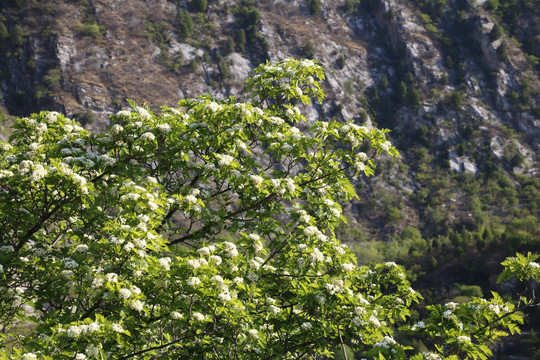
point(206, 232)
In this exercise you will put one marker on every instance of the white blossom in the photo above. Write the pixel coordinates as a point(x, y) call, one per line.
point(193, 281)
point(124, 293)
point(73, 331)
point(198, 316)
point(143, 113)
point(148, 136)
point(316, 256)
point(176, 315)
point(165, 262)
point(117, 328)
point(386, 145)
point(136, 305)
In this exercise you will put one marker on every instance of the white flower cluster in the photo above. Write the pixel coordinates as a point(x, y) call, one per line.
point(5, 174)
point(29, 356)
point(448, 314)
point(69, 263)
point(164, 127)
point(215, 259)
point(143, 113)
point(206, 250)
point(176, 315)
point(463, 340)
point(494, 308)
point(224, 160)
point(7, 249)
point(230, 249)
point(336, 287)
point(418, 325)
point(38, 173)
point(198, 316)
point(117, 328)
point(431, 356)
point(304, 216)
point(193, 281)
point(214, 107)
point(385, 343)
point(136, 305)
point(311, 231)
point(148, 136)
point(124, 293)
point(316, 256)
point(386, 145)
point(451, 305)
point(196, 263)
point(75, 331)
point(165, 263)
point(92, 350)
point(347, 267)
point(256, 180)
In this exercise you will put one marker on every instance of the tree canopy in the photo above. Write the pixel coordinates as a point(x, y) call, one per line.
point(207, 231)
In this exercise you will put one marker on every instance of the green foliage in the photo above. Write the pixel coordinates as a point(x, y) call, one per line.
point(223, 68)
point(340, 62)
point(198, 5)
point(92, 30)
point(401, 93)
point(502, 51)
point(88, 117)
point(17, 36)
point(413, 97)
point(170, 236)
point(314, 7)
point(455, 100)
point(156, 32)
point(495, 33)
point(383, 84)
point(53, 78)
point(308, 50)
point(4, 34)
point(351, 5)
point(185, 25)
point(241, 41)
point(229, 45)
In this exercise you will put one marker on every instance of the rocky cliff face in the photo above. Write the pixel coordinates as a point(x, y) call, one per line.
point(441, 83)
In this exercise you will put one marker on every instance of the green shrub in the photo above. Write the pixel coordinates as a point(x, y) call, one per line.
point(495, 33)
point(88, 117)
point(185, 25)
point(502, 51)
point(241, 41)
point(53, 78)
point(92, 30)
point(17, 36)
point(470, 290)
point(340, 62)
point(309, 50)
point(198, 5)
point(4, 34)
point(314, 7)
point(229, 46)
